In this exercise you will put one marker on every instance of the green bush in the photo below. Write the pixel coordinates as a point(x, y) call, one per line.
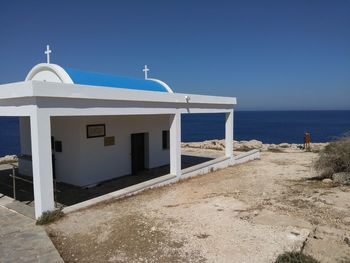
point(295, 257)
point(335, 158)
point(49, 217)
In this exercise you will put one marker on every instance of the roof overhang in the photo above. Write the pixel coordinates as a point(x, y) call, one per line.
point(39, 89)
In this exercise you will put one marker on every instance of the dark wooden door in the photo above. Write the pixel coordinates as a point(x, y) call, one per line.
point(137, 152)
point(53, 157)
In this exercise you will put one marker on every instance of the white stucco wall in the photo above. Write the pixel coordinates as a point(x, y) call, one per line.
point(86, 161)
point(67, 163)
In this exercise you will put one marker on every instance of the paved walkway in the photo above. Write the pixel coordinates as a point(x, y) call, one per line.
point(22, 241)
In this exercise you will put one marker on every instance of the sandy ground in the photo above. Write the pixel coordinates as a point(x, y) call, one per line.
point(246, 213)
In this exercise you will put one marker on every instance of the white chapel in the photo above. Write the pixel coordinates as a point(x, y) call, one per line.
point(82, 128)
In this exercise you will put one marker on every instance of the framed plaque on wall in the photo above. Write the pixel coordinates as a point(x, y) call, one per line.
point(95, 130)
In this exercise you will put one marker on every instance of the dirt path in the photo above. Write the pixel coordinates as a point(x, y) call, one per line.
point(246, 213)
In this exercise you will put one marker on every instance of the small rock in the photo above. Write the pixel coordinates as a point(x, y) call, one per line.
point(272, 147)
point(284, 145)
point(250, 145)
point(295, 233)
point(341, 178)
point(8, 159)
point(346, 220)
point(294, 146)
point(265, 147)
point(327, 181)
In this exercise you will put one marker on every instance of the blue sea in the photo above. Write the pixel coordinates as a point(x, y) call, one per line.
point(266, 126)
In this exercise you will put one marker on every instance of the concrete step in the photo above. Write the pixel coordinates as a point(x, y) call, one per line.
point(21, 208)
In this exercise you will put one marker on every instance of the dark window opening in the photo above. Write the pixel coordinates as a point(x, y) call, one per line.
point(166, 140)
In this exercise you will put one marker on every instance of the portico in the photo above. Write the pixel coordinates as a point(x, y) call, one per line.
point(42, 102)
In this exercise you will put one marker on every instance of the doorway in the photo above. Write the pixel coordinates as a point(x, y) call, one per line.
point(137, 152)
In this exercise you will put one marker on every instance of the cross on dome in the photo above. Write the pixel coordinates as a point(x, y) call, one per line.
point(146, 71)
point(48, 52)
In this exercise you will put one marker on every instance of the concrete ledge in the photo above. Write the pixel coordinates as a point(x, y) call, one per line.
point(203, 165)
point(16, 206)
point(21, 208)
point(207, 167)
point(5, 200)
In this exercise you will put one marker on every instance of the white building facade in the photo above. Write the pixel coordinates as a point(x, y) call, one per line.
point(83, 128)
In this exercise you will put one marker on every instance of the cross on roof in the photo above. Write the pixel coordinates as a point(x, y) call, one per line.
point(48, 52)
point(146, 71)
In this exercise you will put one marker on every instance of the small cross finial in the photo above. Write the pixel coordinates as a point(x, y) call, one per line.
point(48, 52)
point(146, 71)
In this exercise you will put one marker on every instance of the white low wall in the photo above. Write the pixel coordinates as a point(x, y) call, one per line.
point(219, 163)
point(203, 168)
point(207, 167)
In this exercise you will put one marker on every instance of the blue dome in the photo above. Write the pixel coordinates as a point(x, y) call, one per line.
point(98, 79)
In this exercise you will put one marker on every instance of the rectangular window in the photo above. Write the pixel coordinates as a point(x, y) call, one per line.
point(166, 140)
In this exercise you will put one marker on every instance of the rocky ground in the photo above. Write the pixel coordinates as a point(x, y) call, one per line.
point(8, 159)
point(251, 145)
point(247, 213)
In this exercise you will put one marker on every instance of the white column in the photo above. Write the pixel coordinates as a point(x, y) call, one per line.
point(42, 162)
point(229, 134)
point(175, 144)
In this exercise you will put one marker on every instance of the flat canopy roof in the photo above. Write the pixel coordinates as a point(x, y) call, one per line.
point(75, 91)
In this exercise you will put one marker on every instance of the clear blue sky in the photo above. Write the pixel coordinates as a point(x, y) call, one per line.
point(269, 54)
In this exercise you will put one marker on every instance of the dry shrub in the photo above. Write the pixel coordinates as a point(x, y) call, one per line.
point(295, 257)
point(49, 217)
point(335, 158)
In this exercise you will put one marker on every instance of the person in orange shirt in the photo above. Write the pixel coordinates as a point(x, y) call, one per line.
point(307, 141)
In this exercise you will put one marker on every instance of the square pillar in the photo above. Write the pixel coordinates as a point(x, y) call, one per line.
point(175, 144)
point(42, 162)
point(229, 134)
